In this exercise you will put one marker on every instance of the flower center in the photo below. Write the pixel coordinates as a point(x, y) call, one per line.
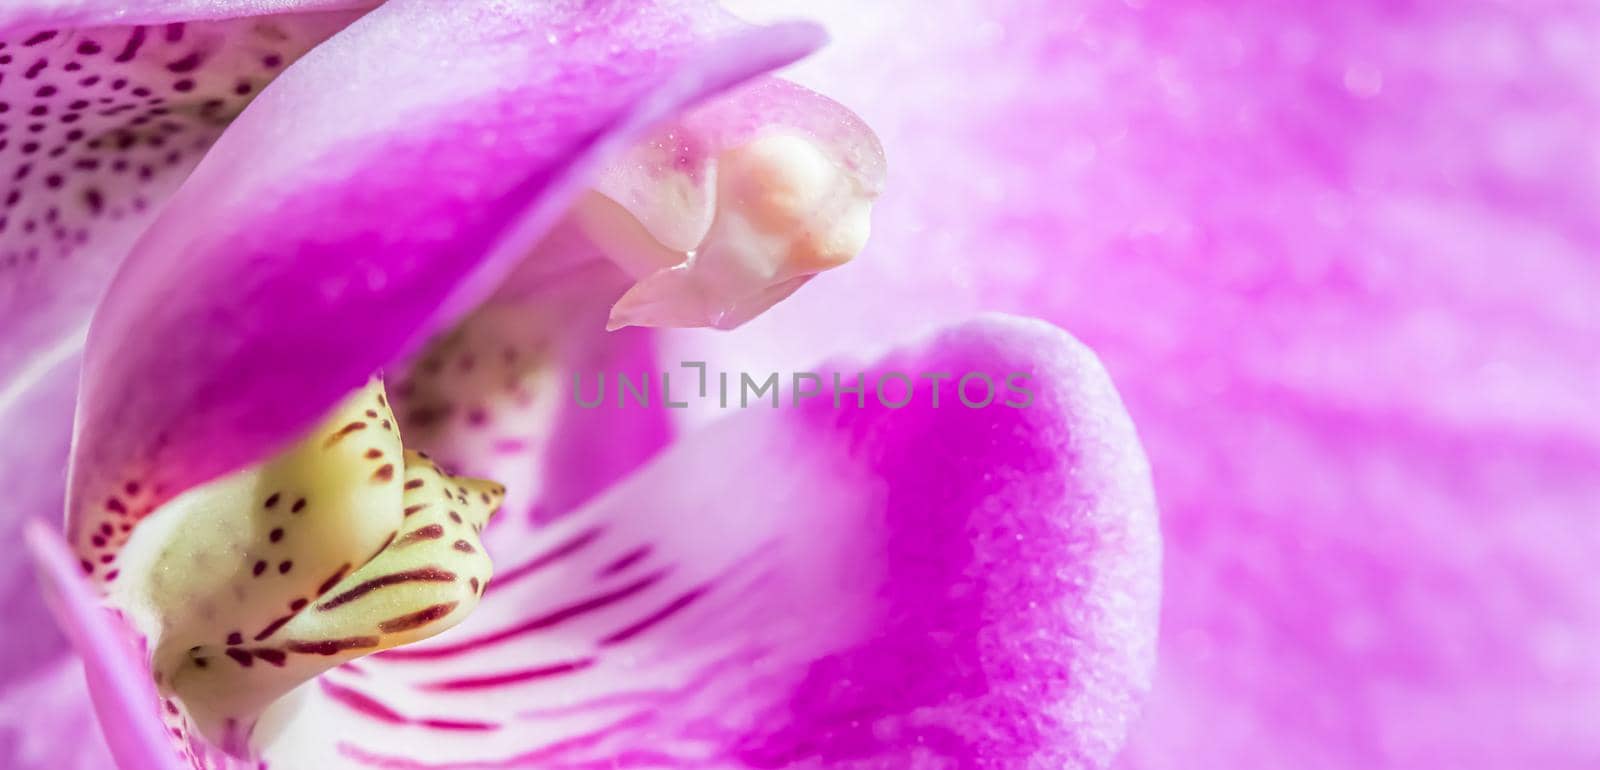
point(343, 545)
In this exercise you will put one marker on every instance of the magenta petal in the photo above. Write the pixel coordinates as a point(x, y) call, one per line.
point(119, 683)
point(851, 587)
point(44, 709)
point(399, 191)
point(1341, 258)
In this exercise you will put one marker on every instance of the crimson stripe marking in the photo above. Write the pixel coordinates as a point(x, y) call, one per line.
point(426, 574)
point(376, 709)
point(333, 580)
point(331, 646)
point(625, 561)
point(672, 608)
point(629, 723)
point(534, 624)
point(345, 431)
point(456, 724)
point(273, 627)
point(510, 677)
point(275, 657)
point(562, 551)
point(430, 532)
point(412, 620)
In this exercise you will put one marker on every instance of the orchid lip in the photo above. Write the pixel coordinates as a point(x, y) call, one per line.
point(341, 546)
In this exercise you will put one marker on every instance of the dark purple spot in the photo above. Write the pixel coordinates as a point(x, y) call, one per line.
point(186, 64)
point(129, 50)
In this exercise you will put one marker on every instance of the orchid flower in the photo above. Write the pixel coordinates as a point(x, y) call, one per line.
point(1337, 256)
point(329, 506)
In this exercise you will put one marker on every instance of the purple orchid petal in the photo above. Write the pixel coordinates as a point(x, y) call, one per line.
point(118, 679)
point(433, 136)
point(851, 586)
point(46, 719)
point(1341, 261)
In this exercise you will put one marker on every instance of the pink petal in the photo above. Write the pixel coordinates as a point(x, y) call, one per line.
point(1340, 259)
point(857, 586)
point(473, 129)
point(118, 681)
point(46, 719)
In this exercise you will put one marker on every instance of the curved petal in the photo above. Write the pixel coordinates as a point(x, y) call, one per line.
point(432, 135)
point(118, 679)
point(1341, 260)
point(46, 718)
point(95, 132)
point(822, 586)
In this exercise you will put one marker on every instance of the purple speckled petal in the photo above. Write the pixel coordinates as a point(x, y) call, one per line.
point(822, 587)
point(39, 17)
point(100, 118)
point(119, 682)
point(476, 154)
point(99, 122)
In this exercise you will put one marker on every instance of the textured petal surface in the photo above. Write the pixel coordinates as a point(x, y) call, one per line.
point(474, 127)
point(1340, 260)
point(838, 585)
